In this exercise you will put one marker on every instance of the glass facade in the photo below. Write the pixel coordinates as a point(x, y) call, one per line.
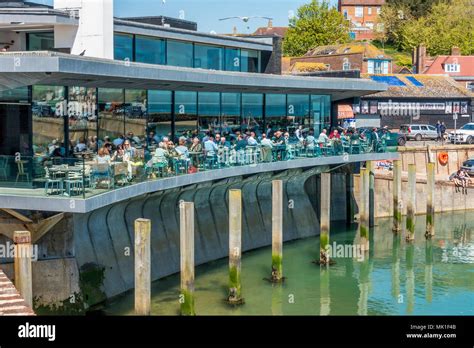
point(209, 110)
point(179, 53)
point(320, 112)
point(111, 115)
point(275, 111)
point(159, 115)
point(40, 41)
point(252, 112)
point(82, 117)
point(185, 109)
point(152, 50)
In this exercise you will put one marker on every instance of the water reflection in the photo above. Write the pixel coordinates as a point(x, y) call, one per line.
point(325, 293)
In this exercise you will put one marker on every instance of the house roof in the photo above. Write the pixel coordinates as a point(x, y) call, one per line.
point(466, 65)
point(271, 31)
point(362, 2)
point(419, 86)
point(368, 50)
point(307, 67)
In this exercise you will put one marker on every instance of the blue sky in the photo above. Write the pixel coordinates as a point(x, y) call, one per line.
point(207, 12)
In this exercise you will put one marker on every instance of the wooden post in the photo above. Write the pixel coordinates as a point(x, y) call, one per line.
point(430, 210)
point(364, 209)
point(325, 218)
point(411, 203)
point(22, 265)
point(410, 277)
point(142, 267)
point(370, 165)
point(235, 246)
point(277, 230)
point(186, 227)
point(397, 194)
point(429, 270)
point(396, 266)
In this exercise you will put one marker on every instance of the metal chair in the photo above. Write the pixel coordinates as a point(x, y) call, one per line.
point(52, 183)
point(21, 171)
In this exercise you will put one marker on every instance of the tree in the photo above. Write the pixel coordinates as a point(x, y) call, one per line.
point(316, 24)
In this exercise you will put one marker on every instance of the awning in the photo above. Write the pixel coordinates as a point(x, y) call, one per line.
point(344, 111)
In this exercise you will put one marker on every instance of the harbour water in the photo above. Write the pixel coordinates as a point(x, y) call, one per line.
point(394, 278)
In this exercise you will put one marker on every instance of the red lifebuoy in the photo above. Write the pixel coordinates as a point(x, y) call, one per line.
point(443, 158)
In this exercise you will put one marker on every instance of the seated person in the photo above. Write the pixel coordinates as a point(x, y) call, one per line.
point(119, 155)
point(241, 143)
point(252, 139)
point(310, 140)
point(196, 145)
point(81, 146)
point(129, 149)
point(103, 156)
point(181, 149)
point(161, 154)
point(210, 146)
point(323, 137)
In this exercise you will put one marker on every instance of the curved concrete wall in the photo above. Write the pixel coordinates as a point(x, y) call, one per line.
point(104, 236)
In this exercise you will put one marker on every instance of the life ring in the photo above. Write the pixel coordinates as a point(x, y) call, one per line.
point(443, 158)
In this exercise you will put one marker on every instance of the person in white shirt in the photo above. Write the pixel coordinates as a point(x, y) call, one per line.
point(323, 137)
point(251, 141)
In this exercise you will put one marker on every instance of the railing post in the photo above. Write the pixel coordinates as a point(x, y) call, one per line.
point(22, 265)
point(411, 203)
point(430, 209)
point(186, 227)
point(142, 266)
point(235, 246)
point(325, 218)
point(397, 194)
point(277, 230)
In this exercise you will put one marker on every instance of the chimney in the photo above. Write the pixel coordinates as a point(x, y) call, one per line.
point(234, 31)
point(455, 51)
point(270, 23)
point(418, 59)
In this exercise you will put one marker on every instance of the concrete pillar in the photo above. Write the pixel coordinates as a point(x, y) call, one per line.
point(186, 227)
point(277, 230)
point(22, 265)
point(411, 203)
point(325, 218)
point(235, 245)
point(430, 209)
point(142, 266)
point(364, 209)
point(397, 195)
point(370, 165)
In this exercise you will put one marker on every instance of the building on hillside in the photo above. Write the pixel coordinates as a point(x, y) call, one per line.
point(363, 15)
point(416, 98)
point(457, 66)
point(361, 56)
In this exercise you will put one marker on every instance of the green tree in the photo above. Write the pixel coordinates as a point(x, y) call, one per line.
point(413, 8)
point(316, 24)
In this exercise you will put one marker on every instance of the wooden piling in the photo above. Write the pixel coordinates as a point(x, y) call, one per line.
point(142, 267)
point(411, 203)
point(397, 195)
point(370, 165)
point(325, 218)
point(364, 209)
point(396, 266)
point(410, 277)
point(22, 265)
point(186, 227)
point(429, 270)
point(235, 246)
point(430, 210)
point(277, 230)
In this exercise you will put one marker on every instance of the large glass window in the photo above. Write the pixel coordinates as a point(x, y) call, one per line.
point(150, 50)
point(135, 110)
point(209, 111)
point(252, 112)
point(250, 61)
point(275, 111)
point(185, 113)
point(208, 57)
point(179, 53)
point(123, 47)
point(232, 59)
point(42, 41)
point(48, 109)
point(320, 112)
point(230, 111)
point(82, 116)
point(111, 116)
point(160, 118)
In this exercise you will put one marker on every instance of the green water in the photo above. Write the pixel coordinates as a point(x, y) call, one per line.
point(425, 278)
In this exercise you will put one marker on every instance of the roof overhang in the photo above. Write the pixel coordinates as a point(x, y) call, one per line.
point(19, 18)
point(19, 69)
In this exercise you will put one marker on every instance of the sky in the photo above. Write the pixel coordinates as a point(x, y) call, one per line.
point(208, 12)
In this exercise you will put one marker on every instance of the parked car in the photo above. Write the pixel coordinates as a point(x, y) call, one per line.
point(468, 166)
point(465, 134)
point(419, 131)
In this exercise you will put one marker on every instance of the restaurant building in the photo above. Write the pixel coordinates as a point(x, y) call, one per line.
point(73, 72)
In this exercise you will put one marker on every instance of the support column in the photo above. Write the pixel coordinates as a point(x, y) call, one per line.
point(411, 203)
point(430, 210)
point(186, 227)
point(142, 267)
point(277, 230)
point(397, 194)
point(325, 218)
point(22, 265)
point(364, 209)
point(370, 165)
point(235, 246)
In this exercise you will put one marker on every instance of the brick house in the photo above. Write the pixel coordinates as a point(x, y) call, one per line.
point(363, 15)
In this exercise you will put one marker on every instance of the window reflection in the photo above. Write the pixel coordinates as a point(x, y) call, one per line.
point(150, 50)
point(160, 118)
point(82, 118)
point(111, 116)
point(250, 61)
point(179, 53)
point(135, 112)
point(123, 47)
point(252, 112)
point(185, 113)
point(230, 111)
point(208, 57)
point(232, 59)
point(209, 112)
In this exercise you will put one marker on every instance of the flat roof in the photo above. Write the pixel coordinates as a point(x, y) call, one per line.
point(34, 16)
point(63, 204)
point(131, 27)
point(19, 69)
